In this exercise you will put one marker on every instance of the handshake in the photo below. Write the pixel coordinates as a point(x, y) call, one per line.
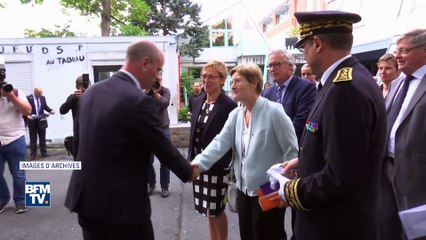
point(195, 172)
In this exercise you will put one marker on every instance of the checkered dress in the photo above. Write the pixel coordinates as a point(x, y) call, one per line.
point(209, 188)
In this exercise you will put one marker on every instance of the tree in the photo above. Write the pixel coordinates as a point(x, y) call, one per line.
point(180, 18)
point(58, 32)
point(117, 17)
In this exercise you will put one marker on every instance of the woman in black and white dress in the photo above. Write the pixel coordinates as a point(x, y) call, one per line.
point(209, 114)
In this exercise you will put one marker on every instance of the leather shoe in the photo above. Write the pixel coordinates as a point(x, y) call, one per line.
point(33, 158)
point(45, 155)
point(165, 192)
point(151, 189)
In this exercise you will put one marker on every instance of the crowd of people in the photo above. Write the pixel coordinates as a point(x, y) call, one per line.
point(351, 150)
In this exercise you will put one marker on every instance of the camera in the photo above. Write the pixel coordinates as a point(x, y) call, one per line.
point(86, 81)
point(156, 86)
point(3, 84)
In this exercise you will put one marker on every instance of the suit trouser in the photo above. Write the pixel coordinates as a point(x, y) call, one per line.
point(390, 226)
point(97, 230)
point(34, 131)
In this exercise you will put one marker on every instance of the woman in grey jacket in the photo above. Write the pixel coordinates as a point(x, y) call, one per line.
point(261, 135)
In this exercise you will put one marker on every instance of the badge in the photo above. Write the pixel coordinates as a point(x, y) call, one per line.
point(312, 126)
point(344, 75)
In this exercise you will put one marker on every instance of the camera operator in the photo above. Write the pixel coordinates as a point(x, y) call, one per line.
point(37, 122)
point(13, 104)
point(161, 96)
point(81, 84)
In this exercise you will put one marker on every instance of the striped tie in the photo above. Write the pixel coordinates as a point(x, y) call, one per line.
point(279, 93)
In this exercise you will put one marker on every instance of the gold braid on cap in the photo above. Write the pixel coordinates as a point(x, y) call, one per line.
point(291, 196)
point(308, 28)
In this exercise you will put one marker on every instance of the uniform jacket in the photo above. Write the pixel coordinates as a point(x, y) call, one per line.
point(297, 101)
point(217, 118)
point(410, 151)
point(118, 130)
point(272, 140)
point(340, 156)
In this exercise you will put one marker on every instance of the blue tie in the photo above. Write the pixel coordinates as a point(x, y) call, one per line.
point(38, 105)
point(397, 104)
point(279, 93)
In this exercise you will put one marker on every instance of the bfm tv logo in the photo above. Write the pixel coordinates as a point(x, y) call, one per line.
point(37, 194)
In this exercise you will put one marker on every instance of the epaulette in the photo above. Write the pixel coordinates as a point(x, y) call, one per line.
point(344, 75)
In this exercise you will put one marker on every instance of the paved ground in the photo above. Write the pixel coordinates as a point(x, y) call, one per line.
point(173, 217)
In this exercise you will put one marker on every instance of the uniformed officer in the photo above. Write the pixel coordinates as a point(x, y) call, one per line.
point(337, 187)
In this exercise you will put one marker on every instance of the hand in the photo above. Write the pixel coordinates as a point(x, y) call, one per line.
point(78, 93)
point(195, 171)
point(52, 112)
point(290, 168)
point(283, 203)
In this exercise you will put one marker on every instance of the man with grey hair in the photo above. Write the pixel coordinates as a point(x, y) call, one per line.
point(295, 93)
point(406, 134)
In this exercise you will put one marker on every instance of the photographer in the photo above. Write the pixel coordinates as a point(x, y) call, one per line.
point(161, 96)
point(37, 122)
point(81, 84)
point(13, 104)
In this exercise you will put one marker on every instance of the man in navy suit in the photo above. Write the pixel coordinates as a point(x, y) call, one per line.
point(118, 128)
point(295, 93)
point(35, 124)
point(336, 190)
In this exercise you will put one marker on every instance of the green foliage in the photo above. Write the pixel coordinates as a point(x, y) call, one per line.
point(187, 81)
point(57, 32)
point(179, 17)
point(117, 17)
point(295, 32)
point(183, 114)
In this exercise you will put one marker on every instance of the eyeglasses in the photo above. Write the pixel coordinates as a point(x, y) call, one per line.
point(206, 76)
point(404, 51)
point(275, 65)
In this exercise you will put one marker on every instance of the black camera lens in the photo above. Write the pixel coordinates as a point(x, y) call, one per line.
point(6, 87)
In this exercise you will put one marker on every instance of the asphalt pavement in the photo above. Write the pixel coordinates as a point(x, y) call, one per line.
point(173, 217)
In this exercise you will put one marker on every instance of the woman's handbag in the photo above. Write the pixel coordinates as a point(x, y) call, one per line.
point(232, 192)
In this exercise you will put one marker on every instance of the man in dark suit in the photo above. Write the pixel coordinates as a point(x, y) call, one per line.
point(295, 93)
point(119, 129)
point(336, 190)
point(196, 93)
point(406, 155)
point(37, 122)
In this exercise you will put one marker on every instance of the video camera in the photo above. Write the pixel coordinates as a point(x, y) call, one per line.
point(3, 84)
point(86, 81)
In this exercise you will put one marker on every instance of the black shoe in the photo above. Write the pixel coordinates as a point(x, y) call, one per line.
point(21, 209)
point(45, 155)
point(3, 205)
point(32, 158)
point(164, 192)
point(151, 189)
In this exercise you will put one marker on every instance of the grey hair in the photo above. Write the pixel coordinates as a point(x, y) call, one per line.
point(416, 37)
point(287, 57)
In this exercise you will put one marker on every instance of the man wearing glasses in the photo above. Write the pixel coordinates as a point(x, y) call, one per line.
point(405, 153)
point(295, 93)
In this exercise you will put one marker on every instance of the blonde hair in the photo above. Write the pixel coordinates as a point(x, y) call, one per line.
point(251, 73)
point(219, 66)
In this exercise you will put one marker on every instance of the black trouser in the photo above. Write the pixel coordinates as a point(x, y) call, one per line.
point(390, 226)
point(34, 131)
point(96, 230)
point(256, 224)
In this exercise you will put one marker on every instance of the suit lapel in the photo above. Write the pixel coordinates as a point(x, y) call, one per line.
point(198, 103)
point(289, 89)
point(420, 91)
